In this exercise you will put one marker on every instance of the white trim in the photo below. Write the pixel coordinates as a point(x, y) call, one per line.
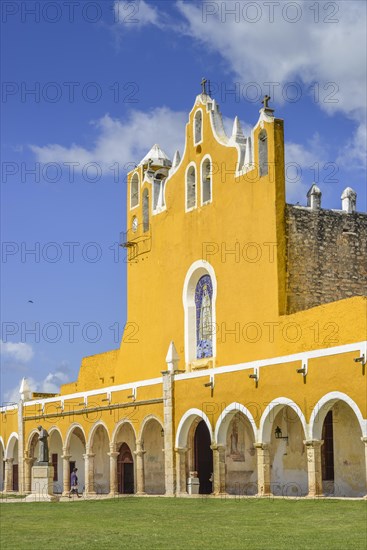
point(16, 437)
point(274, 407)
point(192, 164)
point(195, 271)
point(185, 425)
point(323, 406)
point(3, 446)
point(325, 352)
point(223, 421)
point(207, 157)
point(136, 173)
point(54, 429)
point(359, 347)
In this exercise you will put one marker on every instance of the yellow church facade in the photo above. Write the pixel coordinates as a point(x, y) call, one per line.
point(241, 369)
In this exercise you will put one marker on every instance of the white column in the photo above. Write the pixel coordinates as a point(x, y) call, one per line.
point(113, 470)
point(181, 453)
point(263, 469)
point(139, 453)
point(169, 455)
point(314, 470)
point(89, 473)
point(28, 463)
point(66, 473)
point(219, 466)
point(8, 481)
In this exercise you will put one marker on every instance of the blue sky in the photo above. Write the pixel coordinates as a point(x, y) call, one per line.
point(109, 80)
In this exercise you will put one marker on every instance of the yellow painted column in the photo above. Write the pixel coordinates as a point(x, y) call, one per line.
point(263, 469)
point(65, 473)
point(219, 466)
point(181, 488)
point(313, 448)
point(139, 453)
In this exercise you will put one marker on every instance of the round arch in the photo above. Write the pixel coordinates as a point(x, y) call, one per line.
point(13, 439)
point(70, 432)
point(146, 421)
point(324, 405)
point(206, 188)
point(2, 445)
point(54, 429)
point(185, 425)
point(225, 418)
point(118, 427)
point(99, 424)
point(197, 270)
point(272, 410)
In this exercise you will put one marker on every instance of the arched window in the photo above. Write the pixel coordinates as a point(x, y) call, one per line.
point(199, 298)
point(134, 191)
point(146, 210)
point(191, 188)
point(263, 153)
point(198, 127)
point(204, 317)
point(206, 181)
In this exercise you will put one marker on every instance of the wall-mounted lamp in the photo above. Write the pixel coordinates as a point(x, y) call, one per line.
point(162, 432)
point(279, 435)
point(211, 383)
point(360, 359)
point(304, 368)
point(61, 406)
point(255, 376)
point(84, 403)
point(108, 398)
point(133, 394)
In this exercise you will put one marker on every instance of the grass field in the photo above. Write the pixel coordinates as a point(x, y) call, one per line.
point(168, 523)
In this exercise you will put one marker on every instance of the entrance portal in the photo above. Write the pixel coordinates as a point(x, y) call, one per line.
point(125, 470)
point(203, 458)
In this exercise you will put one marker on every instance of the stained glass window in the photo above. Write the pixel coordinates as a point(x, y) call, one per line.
point(204, 315)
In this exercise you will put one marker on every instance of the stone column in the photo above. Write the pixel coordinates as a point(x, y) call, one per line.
point(28, 463)
point(8, 478)
point(169, 455)
point(139, 453)
point(313, 448)
point(219, 466)
point(89, 473)
point(181, 488)
point(364, 439)
point(263, 469)
point(113, 470)
point(65, 473)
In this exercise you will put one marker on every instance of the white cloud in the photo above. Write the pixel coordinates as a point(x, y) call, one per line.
point(353, 153)
point(17, 351)
point(123, 141)
point(50, 384)
point(137, 14)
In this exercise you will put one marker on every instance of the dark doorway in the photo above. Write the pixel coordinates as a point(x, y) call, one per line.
point(15, 477)
point(203, 458)
point(71, 467)
point(327, 449)
point(125, 470)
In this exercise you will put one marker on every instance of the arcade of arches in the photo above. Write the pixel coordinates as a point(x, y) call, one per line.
point(283, 456)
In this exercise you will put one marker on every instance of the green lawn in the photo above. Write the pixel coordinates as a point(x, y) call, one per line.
point(168, 523)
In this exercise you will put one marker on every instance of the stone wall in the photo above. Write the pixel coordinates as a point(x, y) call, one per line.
point(326, 256)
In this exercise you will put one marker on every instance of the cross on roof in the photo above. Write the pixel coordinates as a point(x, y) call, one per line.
point(203, 85)
point(265, 101)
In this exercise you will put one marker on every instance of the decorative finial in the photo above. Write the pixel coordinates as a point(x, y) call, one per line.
point(203, 85)
point(265, 101)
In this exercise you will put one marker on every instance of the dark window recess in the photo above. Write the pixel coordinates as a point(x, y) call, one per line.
point(54, 464)
point(327, 449)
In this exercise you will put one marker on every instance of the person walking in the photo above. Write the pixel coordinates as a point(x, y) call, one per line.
point(74, 483)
